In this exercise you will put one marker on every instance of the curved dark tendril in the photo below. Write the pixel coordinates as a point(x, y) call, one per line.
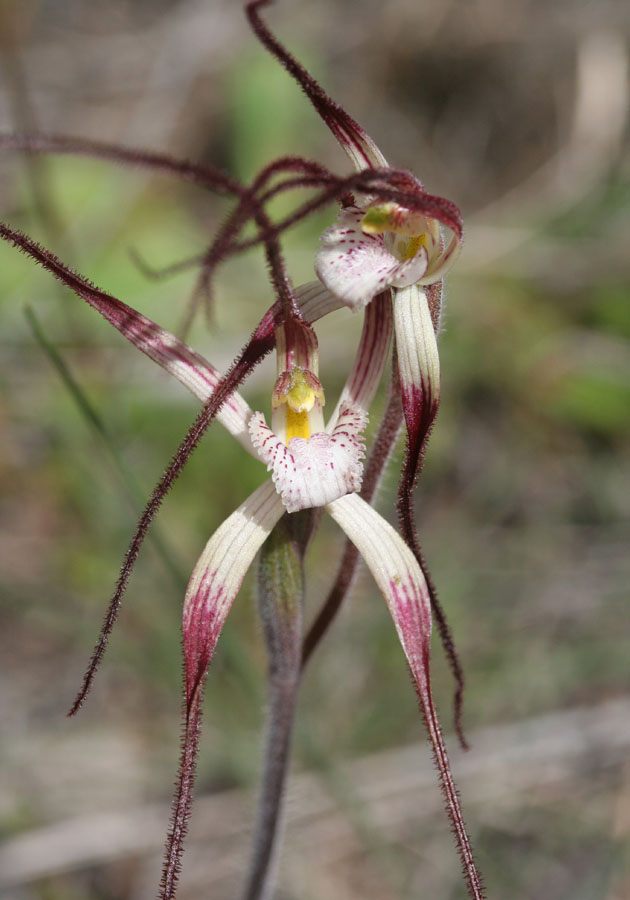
point(200, 174)
point(348, 132)
point(249, 207)
point(425, 697)
point(260, 344)
point(374, 182)
point(183, 794)
point(408, 479)
point(419, 420)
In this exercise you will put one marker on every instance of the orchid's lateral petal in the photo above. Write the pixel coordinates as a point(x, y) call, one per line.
point(185, 364)
point(357, 266)
point(391, 562)
point(313, 471)
point(218, 575)
point(403, 586)
point(260, 343)
point(418, 360)
point(419, 370)
point(173, 355)
point(160, 345)
point(369, 362)
point(358, 145)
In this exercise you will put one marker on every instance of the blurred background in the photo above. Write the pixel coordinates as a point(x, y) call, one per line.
point(519, 113)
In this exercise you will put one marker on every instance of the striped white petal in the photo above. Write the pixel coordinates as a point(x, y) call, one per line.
point(313, 471)
point(370, 360)
point(356, 266)
point(360, 148)
point(193, 371)
point(218, 575)
point(315, 301)
point(418, 359)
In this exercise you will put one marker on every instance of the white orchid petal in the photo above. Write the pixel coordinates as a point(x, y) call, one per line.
point(314, 471)
point(357, 266)
point(369, 362)
point(393, 565)
point(360, 148)
point(219, 573)
point(315, 301)
point(418, 359)
point(439, 266)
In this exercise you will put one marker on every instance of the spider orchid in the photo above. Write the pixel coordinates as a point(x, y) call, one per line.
point(310, 468)
point(386, 243)
point(396, 242)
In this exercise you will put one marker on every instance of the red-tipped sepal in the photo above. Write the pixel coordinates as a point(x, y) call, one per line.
point(418, 365)
point(214, 584)
point(404, 588)
point(218, 575)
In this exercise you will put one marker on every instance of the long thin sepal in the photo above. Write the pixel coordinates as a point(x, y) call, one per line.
point(183, 796)
point(218, 575)
point(419, 369)
point(259, 345)
point(202, 175)
point(214, 583)
point(361, 149)
point(404, 588)
point(173, 355)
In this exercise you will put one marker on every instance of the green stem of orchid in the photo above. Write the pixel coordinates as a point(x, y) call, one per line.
point(281, 592)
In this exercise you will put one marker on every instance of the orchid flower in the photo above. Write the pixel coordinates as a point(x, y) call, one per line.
point(309, 469)
point(379, 243)
point(386, 243)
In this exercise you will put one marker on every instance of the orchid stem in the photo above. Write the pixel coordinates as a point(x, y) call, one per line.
point(281, 589)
